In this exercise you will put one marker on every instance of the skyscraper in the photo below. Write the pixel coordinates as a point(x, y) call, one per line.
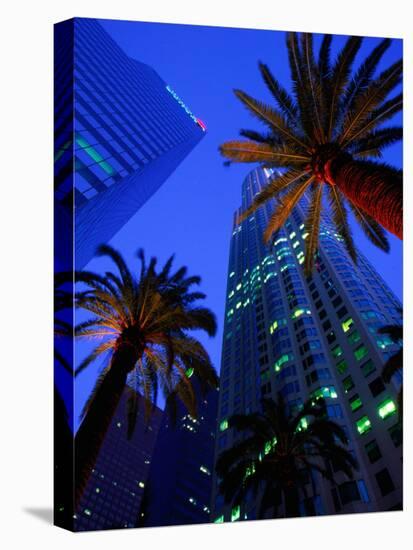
point(309, 337)
point(120, 131)
point(178, 490)
point(113, 494)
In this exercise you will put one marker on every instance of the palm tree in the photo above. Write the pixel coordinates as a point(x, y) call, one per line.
point(395, 363)
point(143, 323)
point(324, 137)
point(278, 452)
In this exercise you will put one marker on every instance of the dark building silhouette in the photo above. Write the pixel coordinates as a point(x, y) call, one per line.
point(113, 495)
point(309, 337)
point(120, 131)
point(179, 485)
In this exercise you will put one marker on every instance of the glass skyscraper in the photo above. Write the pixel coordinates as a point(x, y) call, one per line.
point(308, 337)
point(113, 495)
point(179, 485)
point(120, 131)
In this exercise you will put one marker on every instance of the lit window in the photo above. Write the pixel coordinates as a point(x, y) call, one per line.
point(342, 367)
point(205, 470)
point(231, 294)
point(238, 286)
point(141, 484)
point(232, 274)
point(354, 337)
point(292, 235)
point(224, 425)
point(348, 384)
point(363, 425)
point(189, 372)
point(347, 324)
point(337, 351)
point(239, 304)
point(283, 359)
point(386, 408)
point(355, 402)
point(219, 519)
point(360, 352)
point(235, 513)
point(326, 391)
point(88, 512)
point(298, 312)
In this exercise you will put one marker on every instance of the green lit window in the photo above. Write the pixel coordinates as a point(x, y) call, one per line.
point(231, 294)
point(249, 471)
point(367, 368)
point(299, 311)
point(95, 155)
point(363, 425)
point(189, 372)
point(347, 324)
point(355, 402)
point(219, 519)
point(223, 425)
point(386, 408)
point(354, 337)
point(348, 384)
point(283, 359)
point(235, 513)
point(239, 304)
point(342, 366)
point(326, 391)
point(361, 352)
point(337, 351)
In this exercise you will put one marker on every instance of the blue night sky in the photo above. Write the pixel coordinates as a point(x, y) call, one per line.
point(191, 215)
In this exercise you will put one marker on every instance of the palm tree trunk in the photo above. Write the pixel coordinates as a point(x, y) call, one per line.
point(292, 503)
point(375, 188)
point(92, 431)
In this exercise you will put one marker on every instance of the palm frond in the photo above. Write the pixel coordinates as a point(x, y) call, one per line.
point(248, 151)
point(373, 231)
point(364, 73)
point(340, 219)
point(271, 117)
point(369, 100)
point(312, 225)
point(272, 190)
point(280, 94)
point(339, 78)
point(285, 206)
point(372, 144)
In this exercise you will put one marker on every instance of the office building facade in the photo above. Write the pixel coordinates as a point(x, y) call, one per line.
point(310, 337)
point(113, 495)
point(120, 131)
point(179, 484)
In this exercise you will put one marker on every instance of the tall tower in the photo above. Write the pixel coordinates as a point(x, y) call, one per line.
point(178, 490)
point(120, 131)
point(114, 492)
point(310, 336)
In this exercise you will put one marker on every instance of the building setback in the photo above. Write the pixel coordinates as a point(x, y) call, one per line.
point(314, 336)
point(113, 495)
point(178, 490)
point(120, 131)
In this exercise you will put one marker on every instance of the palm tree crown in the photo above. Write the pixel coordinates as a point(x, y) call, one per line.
point(327, 132)
point(277, 453)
